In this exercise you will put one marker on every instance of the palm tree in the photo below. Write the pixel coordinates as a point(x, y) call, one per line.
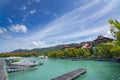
point(115, 30)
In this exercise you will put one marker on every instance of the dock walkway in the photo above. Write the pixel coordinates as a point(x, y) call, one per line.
point(3, 72)
point(70, 75)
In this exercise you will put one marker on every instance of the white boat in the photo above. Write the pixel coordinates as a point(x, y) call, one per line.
point(12, 57)
point(25, 63)
point(43, 57)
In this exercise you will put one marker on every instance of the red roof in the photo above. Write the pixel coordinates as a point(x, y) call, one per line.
point(101, 37)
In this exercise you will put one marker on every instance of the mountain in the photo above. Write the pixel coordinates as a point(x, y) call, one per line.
point(21, 50)
point(47, 49)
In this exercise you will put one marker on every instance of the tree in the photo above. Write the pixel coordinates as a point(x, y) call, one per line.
point(115, 51)
point(115, 30)
point(104, 50)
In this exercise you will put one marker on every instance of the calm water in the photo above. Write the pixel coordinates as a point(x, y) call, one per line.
point(51, 68)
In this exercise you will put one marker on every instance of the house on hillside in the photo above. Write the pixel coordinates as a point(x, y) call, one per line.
point(90, 44)
point(99, 39)
point(66, 47)
point(77, 45)
point(86, 44)
point(102, 39)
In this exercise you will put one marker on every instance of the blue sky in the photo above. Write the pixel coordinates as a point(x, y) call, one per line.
point(28, 24)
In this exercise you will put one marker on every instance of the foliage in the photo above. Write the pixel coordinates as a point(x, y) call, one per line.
point(115, 30)
point(15, 60)
point(115, 51)
point(71, 52)
point(103, 50)
point(20, 54)
point(107, 51)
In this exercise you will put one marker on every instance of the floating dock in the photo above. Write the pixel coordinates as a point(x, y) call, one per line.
point(3, 72)
point(14, 69)
point(70, 75)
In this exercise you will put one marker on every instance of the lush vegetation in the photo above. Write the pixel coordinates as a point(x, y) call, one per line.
point(115, 30)
point(21, 54)
point(71, 52)
point(106, 51)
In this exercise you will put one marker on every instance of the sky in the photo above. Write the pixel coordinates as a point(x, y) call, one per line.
point(28, 24)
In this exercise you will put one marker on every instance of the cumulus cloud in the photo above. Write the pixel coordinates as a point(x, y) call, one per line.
point(33, 11)
point(18, 28)
point(2, 30)
point(38, 44)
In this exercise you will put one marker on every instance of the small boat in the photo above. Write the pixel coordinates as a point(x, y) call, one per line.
point(12, 58)
point(43, 57)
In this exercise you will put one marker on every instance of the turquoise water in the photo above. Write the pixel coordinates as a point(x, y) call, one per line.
point(51, 68)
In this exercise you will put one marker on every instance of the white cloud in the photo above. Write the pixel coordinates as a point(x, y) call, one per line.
point(37, 0)
point(108, 34)
point(10, 20)
point(24, 8)
point(97, 30)
point(39, 44)
point(89, 5)
point(55, 15)
point(18, 28)
point(7, 37)
point(33, 11)
point(102, 12)
point(2, 30)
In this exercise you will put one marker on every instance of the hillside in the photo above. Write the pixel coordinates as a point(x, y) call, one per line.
point(47, 49)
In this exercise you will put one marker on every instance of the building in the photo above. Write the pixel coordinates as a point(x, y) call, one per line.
point(86, 44)
point(66, 47)
point(99, 39)
point(90, 44)
point(102, 39)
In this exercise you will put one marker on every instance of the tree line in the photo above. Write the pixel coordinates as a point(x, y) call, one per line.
point(106, 51)
point(19, 54)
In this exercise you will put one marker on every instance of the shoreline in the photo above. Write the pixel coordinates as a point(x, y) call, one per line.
point(92, 59)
